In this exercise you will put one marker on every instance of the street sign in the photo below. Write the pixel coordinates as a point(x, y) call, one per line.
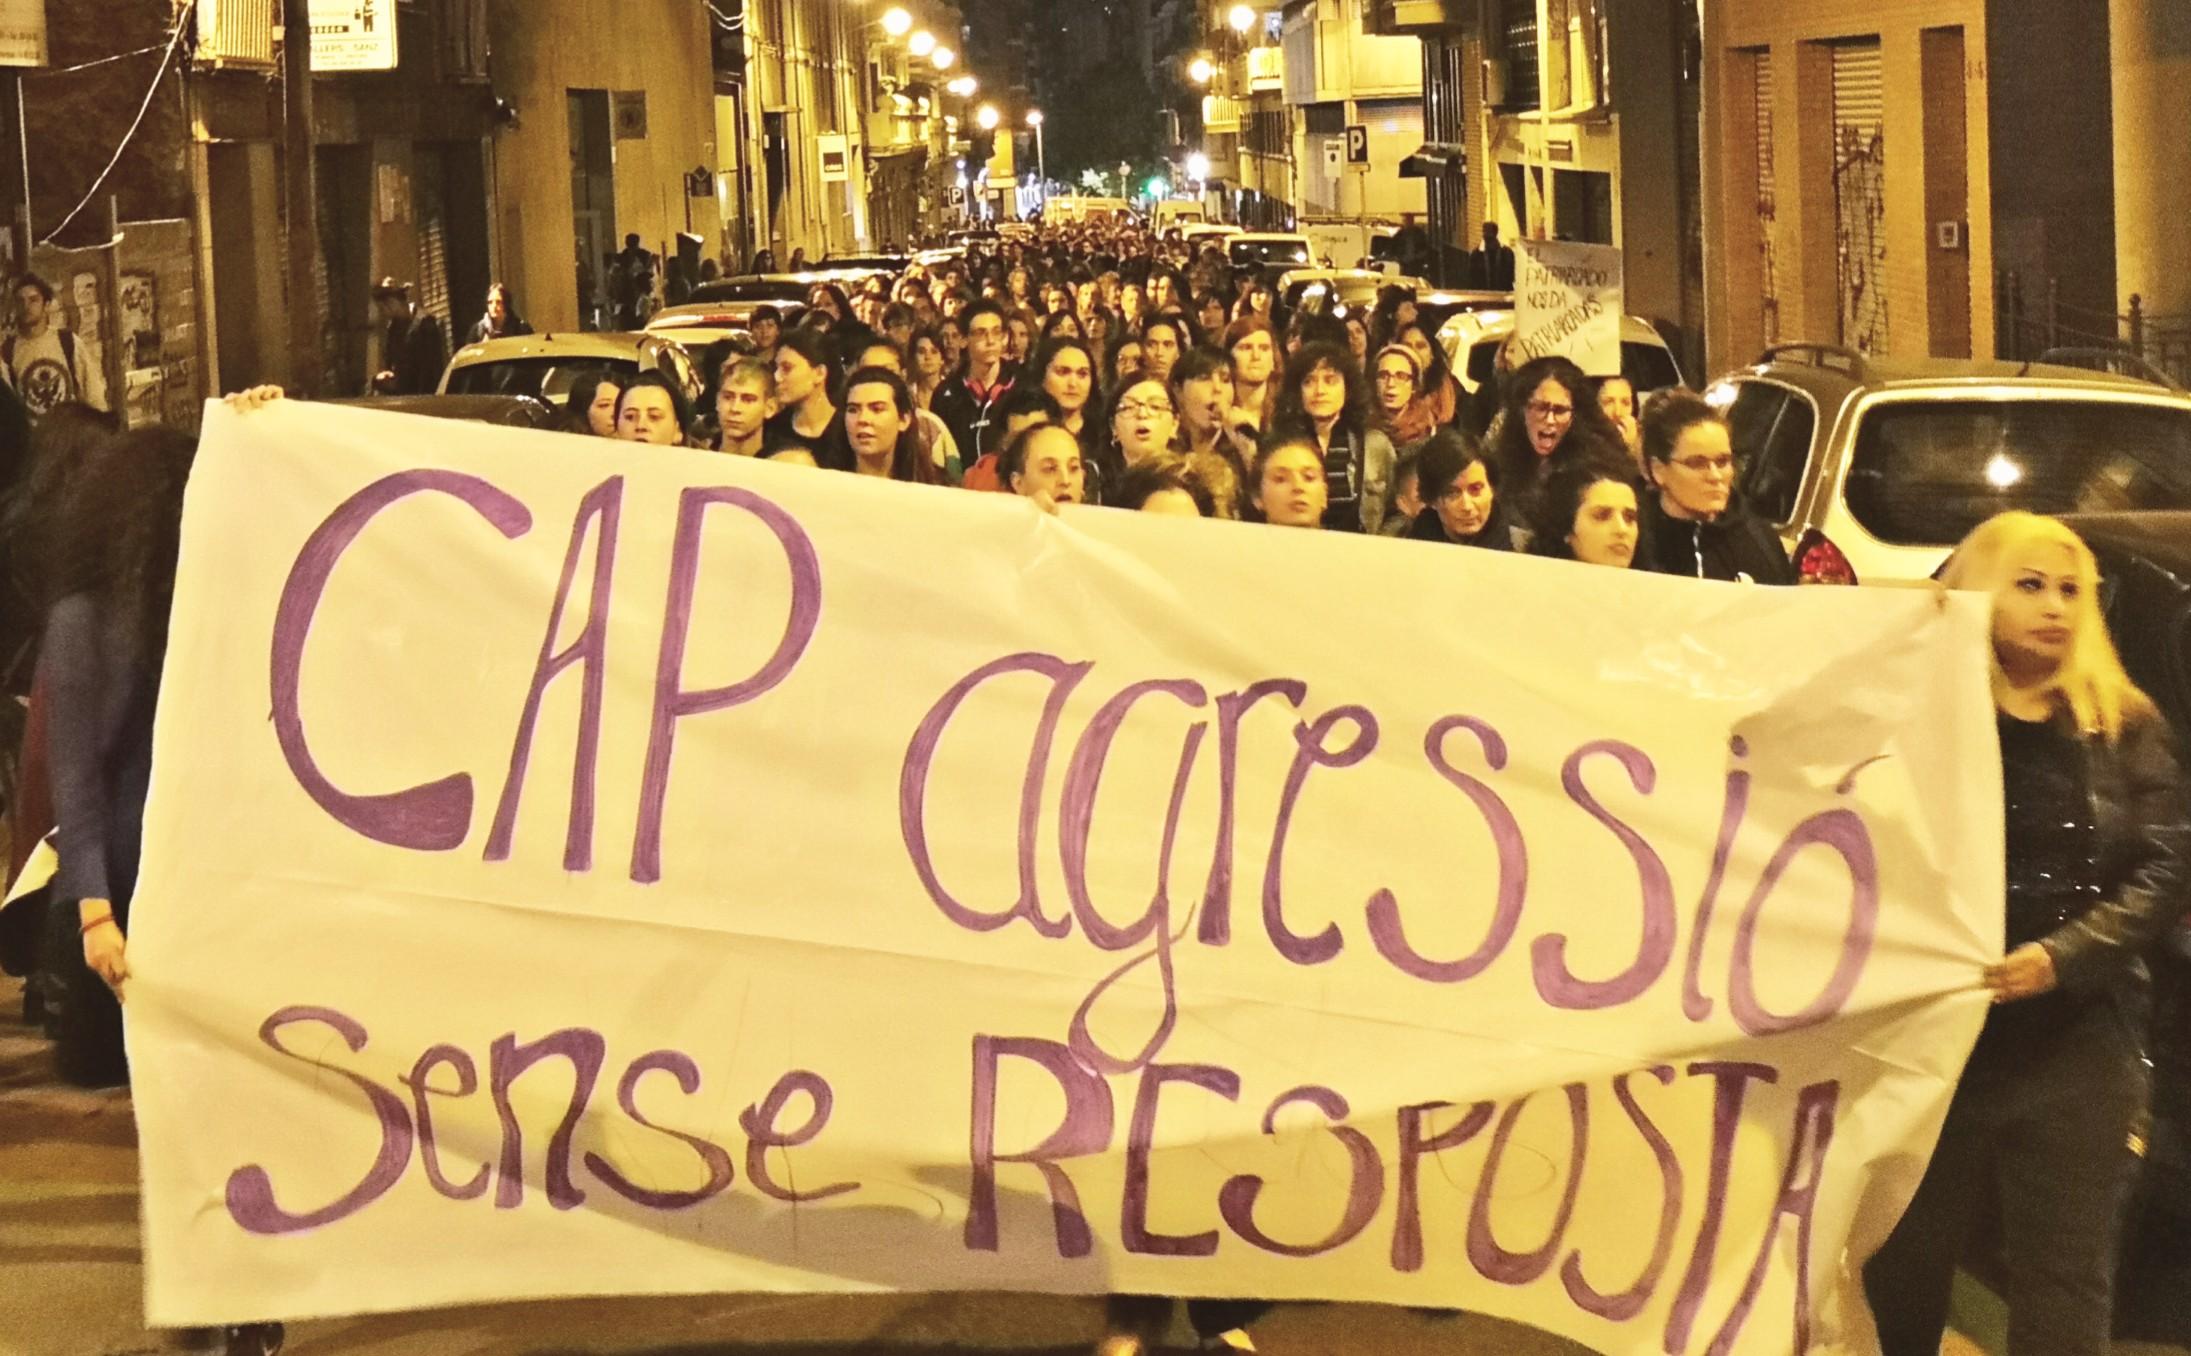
point(1358, 145)
point(353, 35)
point(22, 32)
point(958, 196)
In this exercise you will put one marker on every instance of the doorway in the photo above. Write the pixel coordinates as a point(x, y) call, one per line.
point(593, 201)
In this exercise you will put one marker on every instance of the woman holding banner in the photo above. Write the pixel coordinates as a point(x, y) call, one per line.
point(2041, 1126)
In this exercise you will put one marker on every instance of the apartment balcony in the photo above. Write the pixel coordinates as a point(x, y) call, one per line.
point(1414, 18)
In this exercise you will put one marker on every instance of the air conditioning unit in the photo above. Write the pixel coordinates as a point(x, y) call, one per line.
point(236, 33)
point(1494, 82)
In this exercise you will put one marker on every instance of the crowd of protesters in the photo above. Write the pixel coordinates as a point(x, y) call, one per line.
point(1096, 365)
point(1151, 351)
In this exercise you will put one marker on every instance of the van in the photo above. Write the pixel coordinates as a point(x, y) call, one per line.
point(1178, 212)
point(1065, 211)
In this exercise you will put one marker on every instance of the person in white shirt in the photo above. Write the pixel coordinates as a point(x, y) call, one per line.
point(47, 366)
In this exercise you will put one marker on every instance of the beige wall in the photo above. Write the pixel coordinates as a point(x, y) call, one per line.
point(1797, 36)
point(2151, 62)
point(546, 48)
point(807, 72)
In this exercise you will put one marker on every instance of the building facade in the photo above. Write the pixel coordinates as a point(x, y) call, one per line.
point(1565, 120)
point(1340, 75)
point(1908, 178)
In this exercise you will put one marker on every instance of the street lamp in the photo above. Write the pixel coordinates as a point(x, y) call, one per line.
point(988, 117)
point(964, 86)
point(1242, 19)
point(1201, 71)
point(1198, 167)
point(1042, 165)
point(897, 23)
point(921, 43)
point(942, 58)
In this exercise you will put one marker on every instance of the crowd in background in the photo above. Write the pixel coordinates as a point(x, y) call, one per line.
point(1095, 365)
point(1168, 366)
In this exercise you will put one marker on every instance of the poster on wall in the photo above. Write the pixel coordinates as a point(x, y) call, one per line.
point(353, 35)
point(836, 168)
point(22, 32)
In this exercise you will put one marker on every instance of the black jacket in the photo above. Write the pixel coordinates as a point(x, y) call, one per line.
point(1733, 546)
point(1499, 534)
point(973, 419)
point(2139, 801)
point(415, 352)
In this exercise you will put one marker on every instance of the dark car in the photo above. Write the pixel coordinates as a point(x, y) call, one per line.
point(2145, 563)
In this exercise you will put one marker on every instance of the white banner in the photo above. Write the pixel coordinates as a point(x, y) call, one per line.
point(582, 868)
point(1567, 300)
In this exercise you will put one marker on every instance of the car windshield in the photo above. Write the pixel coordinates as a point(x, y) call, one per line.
point(548, 379)
point(748, 289)
point(1648, 367)
point(1926, 472)
point(1255, 253)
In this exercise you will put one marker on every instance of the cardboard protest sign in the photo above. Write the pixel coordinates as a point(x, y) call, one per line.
point(583, 868)
point(1567, 300)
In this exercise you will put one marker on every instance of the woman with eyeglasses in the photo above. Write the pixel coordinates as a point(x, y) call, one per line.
point(1550, 405)
point(1694, 524)
point(1401, 411)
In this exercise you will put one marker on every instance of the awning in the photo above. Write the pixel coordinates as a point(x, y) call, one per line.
point(1435, 157)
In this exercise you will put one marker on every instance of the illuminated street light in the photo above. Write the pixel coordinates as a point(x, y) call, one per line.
point(964, 86)
point(988, 117)
point(922, 43)
point(1201, 70)
point(1242, 18)
point(1198, 167)
point(942, 58)
point(1034, 117)
point(897, 23)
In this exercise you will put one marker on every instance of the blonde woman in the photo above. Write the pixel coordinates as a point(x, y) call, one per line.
point(2039, 1132)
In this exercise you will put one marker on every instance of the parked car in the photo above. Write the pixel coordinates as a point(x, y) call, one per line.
point(1471, 337)
point(2145, 592)
point(506, 411)
point(734, 299)
point(1200, 233)
point(1337, 291)
point(864, 263)
point(1873, 469)
point(1270, 253)
point(546, 366)
point(1435, 308)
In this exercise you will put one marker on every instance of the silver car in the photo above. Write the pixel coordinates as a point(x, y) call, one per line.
point(1872, 469)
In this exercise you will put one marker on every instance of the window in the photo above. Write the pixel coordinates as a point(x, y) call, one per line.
point(464, 39)
point(1519, 23)
point(1926, 472)
point(1772, 428)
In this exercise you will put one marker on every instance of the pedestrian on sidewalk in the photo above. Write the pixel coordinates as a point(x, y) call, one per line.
point(414, 350)
point(501, 320)
point(45, 365)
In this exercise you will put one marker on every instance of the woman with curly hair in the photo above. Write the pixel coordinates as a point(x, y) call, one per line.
point(1551, 410)
point(1323, 392)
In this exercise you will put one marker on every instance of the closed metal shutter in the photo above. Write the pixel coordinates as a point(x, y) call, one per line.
point(1768, 242)
point(1860, 193)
